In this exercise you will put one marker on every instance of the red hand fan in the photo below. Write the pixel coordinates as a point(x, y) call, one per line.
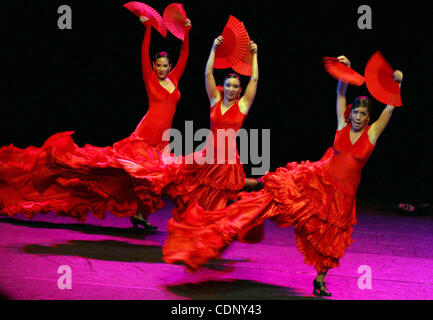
point(175, 20)
point(379, 78)
point(234, 45)
point(141, 9)
point(244, 66)
point(342, 72)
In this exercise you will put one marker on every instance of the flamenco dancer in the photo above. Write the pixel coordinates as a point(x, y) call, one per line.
point(163, 94)
point(317, 198)
point(125, 179)
point(213, 183)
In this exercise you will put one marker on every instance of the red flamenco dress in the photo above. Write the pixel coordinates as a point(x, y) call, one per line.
point(214, 175)
point(317, 198)
point(72, 181)
point(141, 154)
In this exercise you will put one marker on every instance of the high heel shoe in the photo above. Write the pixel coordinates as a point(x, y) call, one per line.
point(318, 291)
point(136, 222)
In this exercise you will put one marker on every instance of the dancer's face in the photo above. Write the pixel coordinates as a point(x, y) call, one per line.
point(162, 67)
point(232, 89)
point(359, 118)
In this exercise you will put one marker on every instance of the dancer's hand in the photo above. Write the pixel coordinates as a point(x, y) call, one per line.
point(188, 24)
point(218, 41)
point(144, 20)
point(253, 47)
point(344, 61)
point(398, 76)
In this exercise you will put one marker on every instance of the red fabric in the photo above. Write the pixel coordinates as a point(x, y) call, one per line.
point(71, 180)
point(211, 184)
point(317, 198)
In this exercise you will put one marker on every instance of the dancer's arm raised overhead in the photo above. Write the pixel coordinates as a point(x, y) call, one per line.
point(377, 127)
point(341, 97)
point(146, 65)
point(247, 100)
point(184, 52)
point(211, 87)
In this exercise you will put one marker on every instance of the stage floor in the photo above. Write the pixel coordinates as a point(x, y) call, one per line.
point(107, 260)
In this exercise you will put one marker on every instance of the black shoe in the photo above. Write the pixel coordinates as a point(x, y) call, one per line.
point(136, 222)
point(318, 289)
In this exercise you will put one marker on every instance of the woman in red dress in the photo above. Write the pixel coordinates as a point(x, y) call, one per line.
point(317, 198)
point(215, 175)
point(125, 179)
point(145, 146)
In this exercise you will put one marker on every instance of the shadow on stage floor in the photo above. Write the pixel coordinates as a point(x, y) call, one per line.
point(133, 233)
point(125, 263)
point(237, 290)
point(108, 250)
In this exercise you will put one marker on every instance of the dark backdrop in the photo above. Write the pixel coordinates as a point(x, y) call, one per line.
point(88, 79)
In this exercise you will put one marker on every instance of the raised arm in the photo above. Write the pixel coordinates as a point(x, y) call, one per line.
point(184, 52)
point(246, 101)
point(341, 97)
point(146, 65)
point(211, 87)
point(377, 127)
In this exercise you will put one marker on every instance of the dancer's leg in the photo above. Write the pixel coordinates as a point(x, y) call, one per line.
point(319, 284)
point(140, 217)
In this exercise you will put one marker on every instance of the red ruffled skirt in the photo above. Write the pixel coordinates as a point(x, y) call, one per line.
point(210, 185)
point(300, 195)
point(74, 181)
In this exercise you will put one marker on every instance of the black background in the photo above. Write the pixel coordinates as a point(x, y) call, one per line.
point(88, 79)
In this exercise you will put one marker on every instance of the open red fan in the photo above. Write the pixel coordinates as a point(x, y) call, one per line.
point(342, 72)
point(142, 9)
point(234, 45)
point(379, 78)
point(175, 20)
point(244, 66)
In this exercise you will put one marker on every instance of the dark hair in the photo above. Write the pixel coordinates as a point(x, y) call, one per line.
point(161, 54)
point(232, 76)
point(361, 101)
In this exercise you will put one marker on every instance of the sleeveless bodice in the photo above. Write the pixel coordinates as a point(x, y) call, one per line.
point(224, 128)
point(347, 160)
